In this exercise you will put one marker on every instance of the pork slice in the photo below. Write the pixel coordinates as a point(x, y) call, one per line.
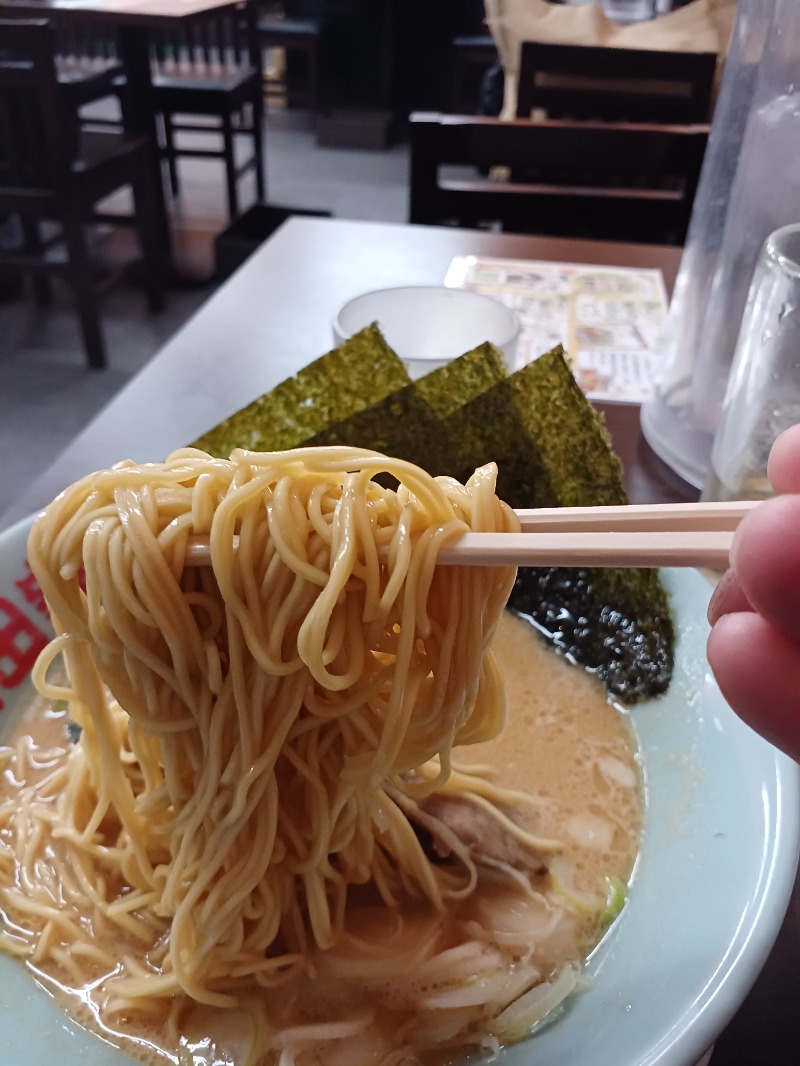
point(485, 836)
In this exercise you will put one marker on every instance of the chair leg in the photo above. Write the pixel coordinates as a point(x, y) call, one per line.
point(460, 107)
point(169, 148)
point(265, 85)
point(313, 80)
point(124, 106)
point(42, 282)
point(80, 278)
point(146, 225)
point(230, 165)
point(258, 147)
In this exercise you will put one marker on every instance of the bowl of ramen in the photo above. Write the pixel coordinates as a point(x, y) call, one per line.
point(295, 794)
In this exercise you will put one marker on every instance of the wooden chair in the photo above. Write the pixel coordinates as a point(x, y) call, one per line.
point(52, 171)
point(614, 84)
point(87, 64)
point(87, 67)
point(214, 71)
point(472, 57)
point(593, 180)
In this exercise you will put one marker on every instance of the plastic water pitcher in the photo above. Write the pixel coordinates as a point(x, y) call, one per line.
point(749, 186)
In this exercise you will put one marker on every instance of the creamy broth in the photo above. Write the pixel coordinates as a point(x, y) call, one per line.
point(564, 744)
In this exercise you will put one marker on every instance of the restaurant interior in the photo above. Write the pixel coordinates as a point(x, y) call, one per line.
point(337, 82)
point(148, 151)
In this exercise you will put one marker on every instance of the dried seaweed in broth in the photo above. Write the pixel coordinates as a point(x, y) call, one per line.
point(616, 622)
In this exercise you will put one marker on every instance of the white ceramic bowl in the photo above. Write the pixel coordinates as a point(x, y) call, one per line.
point(428, 325)
point(715, 873)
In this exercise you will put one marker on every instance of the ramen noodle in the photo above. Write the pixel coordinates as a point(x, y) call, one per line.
point(259, 849)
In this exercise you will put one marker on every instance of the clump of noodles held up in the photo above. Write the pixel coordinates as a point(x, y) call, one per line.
point(271, 717)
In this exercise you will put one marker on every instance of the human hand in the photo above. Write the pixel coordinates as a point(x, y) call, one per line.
point(754, 646)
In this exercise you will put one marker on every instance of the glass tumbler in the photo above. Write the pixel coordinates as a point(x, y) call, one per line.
point(763, 392)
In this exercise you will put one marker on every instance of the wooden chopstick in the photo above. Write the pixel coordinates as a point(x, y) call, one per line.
point(648, 548)
point(682, 534)
point(637, 517)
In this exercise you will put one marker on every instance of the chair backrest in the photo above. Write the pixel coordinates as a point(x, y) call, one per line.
point(35, 135)
point(78, 40)
point(614, 84)
point(224, 38)
point(608, 181)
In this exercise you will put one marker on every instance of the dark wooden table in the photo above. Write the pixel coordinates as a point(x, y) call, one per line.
point(274, 316)
point(134, 21)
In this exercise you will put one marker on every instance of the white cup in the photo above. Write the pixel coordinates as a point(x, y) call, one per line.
point(429, 325)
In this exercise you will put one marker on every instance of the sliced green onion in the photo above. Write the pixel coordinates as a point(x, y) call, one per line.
point(615, 900)
point(516, 1020)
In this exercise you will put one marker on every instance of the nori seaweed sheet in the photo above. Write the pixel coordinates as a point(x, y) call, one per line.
point(490, 429)
point(551, 449)
point(401, 425)
point(616, 622)
point(449, 387)
point(581, 467)
point(354, 376)
point(513, 423)
point(409, 423)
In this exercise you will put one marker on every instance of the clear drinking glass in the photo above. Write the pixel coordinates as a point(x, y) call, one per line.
point(749, 186)
point(763, 393)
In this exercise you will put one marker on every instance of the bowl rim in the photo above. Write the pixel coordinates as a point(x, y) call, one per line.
point(515, 325)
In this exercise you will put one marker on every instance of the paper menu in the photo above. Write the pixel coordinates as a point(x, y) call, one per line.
point(609, 319)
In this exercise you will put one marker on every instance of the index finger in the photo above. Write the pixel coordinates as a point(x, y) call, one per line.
point(766, 562)
point(783, 468)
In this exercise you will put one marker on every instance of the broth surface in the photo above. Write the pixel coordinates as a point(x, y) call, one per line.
point(564, 744)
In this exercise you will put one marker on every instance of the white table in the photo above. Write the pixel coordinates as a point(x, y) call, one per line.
point(274, 316)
